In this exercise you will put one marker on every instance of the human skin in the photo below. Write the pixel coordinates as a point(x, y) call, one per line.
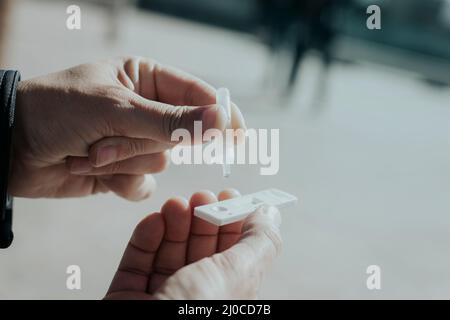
point(175, 255)
point(102, 126)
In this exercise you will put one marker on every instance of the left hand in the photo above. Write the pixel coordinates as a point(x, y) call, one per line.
point(175, 255)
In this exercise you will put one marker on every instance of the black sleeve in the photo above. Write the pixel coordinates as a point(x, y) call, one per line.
point(8, 85)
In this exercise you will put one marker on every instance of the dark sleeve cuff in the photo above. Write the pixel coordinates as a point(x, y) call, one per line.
point(8, 86)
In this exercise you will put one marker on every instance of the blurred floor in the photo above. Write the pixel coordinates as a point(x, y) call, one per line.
point(372, 169)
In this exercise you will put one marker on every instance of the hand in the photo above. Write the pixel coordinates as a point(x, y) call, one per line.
point(175, 255)
point(102, 126)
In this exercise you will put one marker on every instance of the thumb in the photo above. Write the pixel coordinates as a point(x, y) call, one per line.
point(157, 121)
point(245, 263)
point(261, 238)
point(235, 273)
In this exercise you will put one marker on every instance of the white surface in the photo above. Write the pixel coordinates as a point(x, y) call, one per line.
point(371, 165)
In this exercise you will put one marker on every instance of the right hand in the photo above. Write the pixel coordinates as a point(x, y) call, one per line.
point(175, 255)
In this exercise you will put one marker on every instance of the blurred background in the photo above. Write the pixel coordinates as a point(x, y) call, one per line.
point(364, 137)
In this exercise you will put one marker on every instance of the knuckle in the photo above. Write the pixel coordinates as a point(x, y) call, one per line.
point(139, 147)
point(111, 94)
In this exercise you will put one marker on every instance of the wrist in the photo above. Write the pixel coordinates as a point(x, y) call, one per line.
point(17, 135)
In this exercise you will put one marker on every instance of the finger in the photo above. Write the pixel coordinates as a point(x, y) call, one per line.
point(131, 187)
point(203, 235)
point(171, 98)
point(190, 91)
point(98, 186)
point(136, 264)
point(151, 163)
point(172, 86)
point(129, 73)
point(250, 257)
point(231, 233)
point(172, 252)
point(261, 240)
point(113, 149)
point(156, 120)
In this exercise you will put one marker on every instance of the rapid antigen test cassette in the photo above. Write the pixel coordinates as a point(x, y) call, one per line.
point(236, 209)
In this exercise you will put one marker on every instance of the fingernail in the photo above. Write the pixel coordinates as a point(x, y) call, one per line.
point(80, 167)
point(213, 117)
point(106, 155)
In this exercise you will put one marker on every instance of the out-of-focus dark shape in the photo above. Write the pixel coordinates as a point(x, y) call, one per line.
point(282, 24)
point(414, 34)
point(415, 25)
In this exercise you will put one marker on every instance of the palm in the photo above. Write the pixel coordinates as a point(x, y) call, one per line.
point(164, 243)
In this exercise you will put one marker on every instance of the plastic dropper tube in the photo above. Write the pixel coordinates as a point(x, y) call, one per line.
point(223, 99)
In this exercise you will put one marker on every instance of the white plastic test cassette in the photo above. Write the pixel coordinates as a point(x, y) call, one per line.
point(236, 209)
